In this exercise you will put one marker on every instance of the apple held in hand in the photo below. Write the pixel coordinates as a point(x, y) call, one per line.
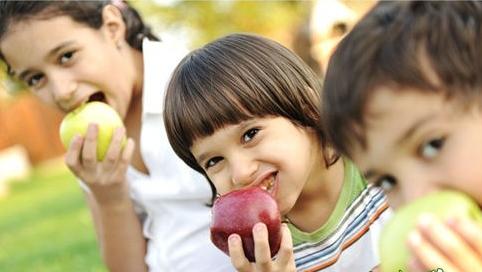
point(77, 121)
point(238, 211)
point(394, 252)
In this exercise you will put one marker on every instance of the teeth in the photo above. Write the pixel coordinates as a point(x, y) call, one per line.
point(268, 185)
point(271, 183)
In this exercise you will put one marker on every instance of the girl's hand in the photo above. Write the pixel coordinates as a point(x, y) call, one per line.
point(452, 246)
point(284, 261)
point(107, 178)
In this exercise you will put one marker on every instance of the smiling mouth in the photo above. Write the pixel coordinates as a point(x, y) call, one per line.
point(98, 97)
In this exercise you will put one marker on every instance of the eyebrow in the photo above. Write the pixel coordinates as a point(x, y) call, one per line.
point(50, 54)
point(409, 132)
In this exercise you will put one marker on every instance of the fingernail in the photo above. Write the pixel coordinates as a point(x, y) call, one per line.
point(258, 227)
point(414, 238)
point(92, 126)
point(233, 239)
point(425, 220)
point(453, 220)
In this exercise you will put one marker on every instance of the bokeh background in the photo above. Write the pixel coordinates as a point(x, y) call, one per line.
point(44, 222)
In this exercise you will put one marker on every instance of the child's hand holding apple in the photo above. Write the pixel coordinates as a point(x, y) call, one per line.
point(439, 231)
point(97, 150)
point(454, 244)
point(246, 225)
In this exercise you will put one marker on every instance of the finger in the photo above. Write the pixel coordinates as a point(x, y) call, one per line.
point(427, 255)
point(448, 242)
point(261, 247)
point(125, 160)
point(285, 256)
point(114, 150)
point(238, 259)
point(72, 158)
point(89, 150)
point(470, 231)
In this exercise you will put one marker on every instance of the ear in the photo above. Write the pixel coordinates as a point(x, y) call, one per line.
point(113, 25)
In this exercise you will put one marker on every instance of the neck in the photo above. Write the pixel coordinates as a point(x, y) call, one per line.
point(318, 198)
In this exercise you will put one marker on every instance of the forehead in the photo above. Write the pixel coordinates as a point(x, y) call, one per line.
point(390, 112)
point(30, 38)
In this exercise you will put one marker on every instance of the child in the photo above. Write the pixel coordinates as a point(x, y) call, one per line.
point(242, 110)
point(402, 98)
point(149, 211)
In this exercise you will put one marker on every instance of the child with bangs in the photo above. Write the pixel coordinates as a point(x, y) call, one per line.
point(244, 106)
point(402, 99)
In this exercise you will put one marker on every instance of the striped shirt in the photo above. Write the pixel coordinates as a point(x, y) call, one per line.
point(348, 241)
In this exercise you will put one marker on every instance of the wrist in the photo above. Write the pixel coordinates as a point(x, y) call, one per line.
point(111, 196)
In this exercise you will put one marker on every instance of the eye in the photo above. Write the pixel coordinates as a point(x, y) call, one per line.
point(34, 80)
point(386, 183)
point(249, 135)
point(66, 57)
point(212, 162)
point(431, 148)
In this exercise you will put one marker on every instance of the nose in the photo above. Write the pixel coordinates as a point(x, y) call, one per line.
point(243, 170)
point(62, 88)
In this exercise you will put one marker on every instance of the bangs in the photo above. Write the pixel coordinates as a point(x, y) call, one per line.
point(209, 98)
point(234, 79)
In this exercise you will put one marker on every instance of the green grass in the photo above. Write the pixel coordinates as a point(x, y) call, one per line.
point(45, 225)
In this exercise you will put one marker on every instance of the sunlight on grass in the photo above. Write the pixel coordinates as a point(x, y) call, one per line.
point(46, 226)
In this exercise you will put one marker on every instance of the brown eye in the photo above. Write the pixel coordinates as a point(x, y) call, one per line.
point(34, 80)
point(66, 57)
point(212, 162)
point(249, 135)
point(431, 148)
point(386, 183)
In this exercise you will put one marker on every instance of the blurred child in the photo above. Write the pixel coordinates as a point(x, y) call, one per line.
point(243, 111)
point(403, 99)
point(149, 209)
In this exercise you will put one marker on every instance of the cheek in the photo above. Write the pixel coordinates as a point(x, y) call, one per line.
point(462, 169)
point(468, 179)
point(221, 184)
point(46, 97)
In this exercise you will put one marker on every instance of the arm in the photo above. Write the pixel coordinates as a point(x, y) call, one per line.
point(119, 233)
point(117, 227)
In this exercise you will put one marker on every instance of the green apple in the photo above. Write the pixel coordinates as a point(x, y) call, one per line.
point(77, 121)
point(394, 252)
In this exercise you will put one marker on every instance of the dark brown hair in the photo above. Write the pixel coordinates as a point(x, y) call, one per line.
point(233, 79)
point(425, 46)
point(84, 12)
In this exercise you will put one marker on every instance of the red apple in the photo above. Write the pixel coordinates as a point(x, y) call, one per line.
point(238, 211)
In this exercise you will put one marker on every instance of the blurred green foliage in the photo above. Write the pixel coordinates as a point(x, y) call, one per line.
point(45, 226)
point(208, 20)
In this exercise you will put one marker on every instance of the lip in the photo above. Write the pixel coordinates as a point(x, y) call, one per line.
point(72, 106)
